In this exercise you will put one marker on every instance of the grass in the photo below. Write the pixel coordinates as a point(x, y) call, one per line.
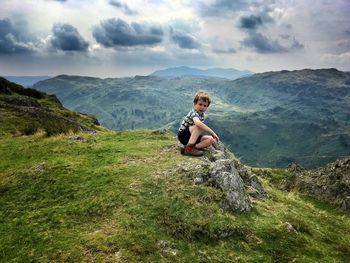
point(50, 117)
point(120, 196)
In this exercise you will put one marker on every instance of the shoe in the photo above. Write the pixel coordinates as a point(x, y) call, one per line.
point(182, 150)
point(191, 151)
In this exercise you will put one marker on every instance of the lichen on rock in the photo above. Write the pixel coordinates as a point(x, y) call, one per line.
point(219, 168)
point(330, 183)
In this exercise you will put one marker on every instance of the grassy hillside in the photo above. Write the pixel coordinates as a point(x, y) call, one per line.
point(26, 111)
point(124, 197)
point(268, 119)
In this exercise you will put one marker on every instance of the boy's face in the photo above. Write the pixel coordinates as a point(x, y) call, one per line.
point(201, 106)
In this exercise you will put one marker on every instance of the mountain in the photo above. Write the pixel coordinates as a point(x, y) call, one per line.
point(106, 196)
point(26, 81)
point(292, 116)
point(269, 119)
point(193, 72)
point(27, 111)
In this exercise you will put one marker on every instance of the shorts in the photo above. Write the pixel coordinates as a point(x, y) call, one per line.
point(184, 136)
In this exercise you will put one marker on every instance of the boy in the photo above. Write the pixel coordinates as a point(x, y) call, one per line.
point(189, 133)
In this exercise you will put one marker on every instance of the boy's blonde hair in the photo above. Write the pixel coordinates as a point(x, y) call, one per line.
point(203, 96)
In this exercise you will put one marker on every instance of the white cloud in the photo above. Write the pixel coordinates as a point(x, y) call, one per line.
point(340, 60)
point(309, 35)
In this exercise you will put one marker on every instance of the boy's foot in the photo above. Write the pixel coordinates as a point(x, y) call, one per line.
point(191, 151)
point(182, 150)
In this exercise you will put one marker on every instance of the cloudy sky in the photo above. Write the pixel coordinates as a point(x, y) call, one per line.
point(114, 38)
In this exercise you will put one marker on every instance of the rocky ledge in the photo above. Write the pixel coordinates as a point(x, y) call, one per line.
point(219, 168)
point(330, 183)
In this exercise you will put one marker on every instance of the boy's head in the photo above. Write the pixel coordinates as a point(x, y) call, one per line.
point(203, 97)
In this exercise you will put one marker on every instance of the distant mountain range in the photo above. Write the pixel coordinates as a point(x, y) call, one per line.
point(194, 72)
point(268, 119)
point(26, 81)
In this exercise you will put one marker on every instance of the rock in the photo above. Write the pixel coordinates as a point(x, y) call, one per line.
point(167, 247)
point(227, 178)
point(290, 227)
point(287, 183)
point(295, 168)
point(39, 168)
point(249, 179)
point(219, 168)
point(160, 131)
point(20, 101)
point(198, 180)
point(345, 204)
point(330, 183)
point(76, 138)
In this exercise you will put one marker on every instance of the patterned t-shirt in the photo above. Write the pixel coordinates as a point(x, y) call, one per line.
point(188, 119)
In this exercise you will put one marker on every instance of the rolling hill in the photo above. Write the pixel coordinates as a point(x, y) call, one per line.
point(268, 119)
point(194, 72)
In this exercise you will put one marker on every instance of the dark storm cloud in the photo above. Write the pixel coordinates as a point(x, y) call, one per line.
point(224, 51)
point(184, 40)
point(296, 45)
point(220, 7)
point(14, 39)
point(263, 44)
point(117, 33)
point(67, 38)
point(124, 7)
point(250, 22)
point(254, 21)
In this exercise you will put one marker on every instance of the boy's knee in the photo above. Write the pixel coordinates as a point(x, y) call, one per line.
point(212, 140)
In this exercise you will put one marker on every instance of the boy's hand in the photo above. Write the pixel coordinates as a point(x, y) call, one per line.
point(216, 138)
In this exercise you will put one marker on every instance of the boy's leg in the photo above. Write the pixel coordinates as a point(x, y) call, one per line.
point(205, 142)
point(195, 132)
point(190, 147)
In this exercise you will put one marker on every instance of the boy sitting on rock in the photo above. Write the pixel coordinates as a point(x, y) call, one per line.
point(192, 126)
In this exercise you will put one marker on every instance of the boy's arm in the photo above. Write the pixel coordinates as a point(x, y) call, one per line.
point(205, 127)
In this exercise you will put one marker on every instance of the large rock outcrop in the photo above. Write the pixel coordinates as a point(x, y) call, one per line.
point(219, 168)
point(330, 183)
